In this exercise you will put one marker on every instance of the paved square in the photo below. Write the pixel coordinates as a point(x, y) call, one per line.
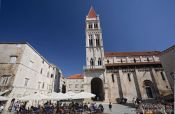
point(119, 109)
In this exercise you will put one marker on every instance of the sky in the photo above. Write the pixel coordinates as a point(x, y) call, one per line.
point(56, 28)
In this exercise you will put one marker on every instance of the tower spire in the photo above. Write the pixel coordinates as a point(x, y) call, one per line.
point(92, 13)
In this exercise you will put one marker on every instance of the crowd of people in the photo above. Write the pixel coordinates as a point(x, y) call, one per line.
point(57, 108)
point(153, 107)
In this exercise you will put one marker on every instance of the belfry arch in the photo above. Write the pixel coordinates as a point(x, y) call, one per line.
point(97, 88)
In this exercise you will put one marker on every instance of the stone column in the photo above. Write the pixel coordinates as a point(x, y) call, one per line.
point(135, 74)
point(153, 73)
point(119, 84)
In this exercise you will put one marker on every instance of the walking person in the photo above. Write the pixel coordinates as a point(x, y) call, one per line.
point(110, 106)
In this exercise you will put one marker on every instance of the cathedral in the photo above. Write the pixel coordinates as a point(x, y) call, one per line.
point(117, 75)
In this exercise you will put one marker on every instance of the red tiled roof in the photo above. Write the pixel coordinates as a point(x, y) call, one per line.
point(92, 13)
point(76, 76)
point(123, 54)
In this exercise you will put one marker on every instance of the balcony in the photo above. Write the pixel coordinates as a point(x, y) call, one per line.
point(94, 67)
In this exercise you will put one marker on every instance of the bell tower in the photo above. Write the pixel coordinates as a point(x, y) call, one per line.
point(94, 71)
point(94, 41)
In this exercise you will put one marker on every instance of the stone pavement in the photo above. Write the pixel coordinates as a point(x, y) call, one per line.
point(118, 109)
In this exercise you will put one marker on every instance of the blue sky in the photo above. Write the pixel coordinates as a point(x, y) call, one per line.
point(56, 28)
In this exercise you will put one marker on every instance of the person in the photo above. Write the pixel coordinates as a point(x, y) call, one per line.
point(1, 108)
point(101, 107)
point(17, 107)
point(110, 106)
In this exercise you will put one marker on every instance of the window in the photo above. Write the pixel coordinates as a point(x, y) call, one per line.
point(121, 61)
point(113, 80)
point(98, 42)
point(90, 26)
point(4, 79)
point(135, 60)
point(91, 62)
point(129, 77)
point(76, 85)
point(13, 59)
point(147, 59)
point(99, 61)
point(70, 85)
point(51, 76)
point(90, 36)
point(43, 85)
point(97, 39)
point(82, 86)
point(90, 42)
point(41, 71)
point(26, 82)
point(95, 25)
point(107, 61)
point(163, 77)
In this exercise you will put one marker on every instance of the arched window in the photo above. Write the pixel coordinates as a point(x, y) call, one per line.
point(91, 62)
point(90, 42)
point(129, 77)
point(90, 26)
point(95, 25)
point(97, 42)
point(163, 77)
point(113, 80)
point(99, 61)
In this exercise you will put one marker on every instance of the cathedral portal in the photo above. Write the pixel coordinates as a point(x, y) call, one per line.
point(97, 89)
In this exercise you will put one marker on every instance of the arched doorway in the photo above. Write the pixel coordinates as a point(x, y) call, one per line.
point(149, 88)
point(97, 89)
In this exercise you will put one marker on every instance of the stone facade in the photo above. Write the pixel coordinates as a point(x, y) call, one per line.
point(75, 83)
point(167, 58)
point(114, 75)
point(24, 71)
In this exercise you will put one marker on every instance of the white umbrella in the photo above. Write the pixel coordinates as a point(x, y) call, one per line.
point(57, 96)
point(35, 96)
point(84, 95)
point(2, 98)
point(70, 93)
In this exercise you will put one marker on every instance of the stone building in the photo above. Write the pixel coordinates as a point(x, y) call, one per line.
point(63, 84)
point(58, 79)
point(112, 75)
point(167, 58)
point(75, 83)
point(24, 71)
